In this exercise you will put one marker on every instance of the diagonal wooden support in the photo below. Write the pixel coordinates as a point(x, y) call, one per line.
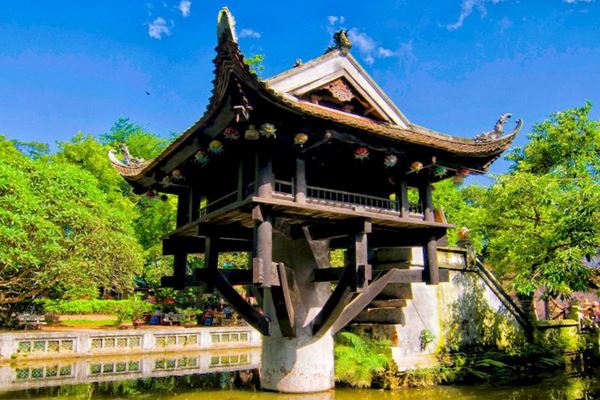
point(334, 306)
point(282, 300)
point(237, 302)
point(353, 308)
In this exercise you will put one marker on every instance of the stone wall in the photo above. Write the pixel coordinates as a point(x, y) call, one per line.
point(464, 312)
point(45, 344)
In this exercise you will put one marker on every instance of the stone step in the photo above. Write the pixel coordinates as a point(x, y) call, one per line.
point(396, 291)
point(391, 303)
point(390, 255)
point(380, 316)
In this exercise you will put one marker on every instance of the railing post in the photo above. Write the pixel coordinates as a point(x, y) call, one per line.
point(402, 199)
point(426, 198)
point(240, 181)
point(265, 179)
point(431, 262)
point(300, 180)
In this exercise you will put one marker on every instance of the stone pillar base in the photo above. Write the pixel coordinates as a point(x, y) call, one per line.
point(299, 365)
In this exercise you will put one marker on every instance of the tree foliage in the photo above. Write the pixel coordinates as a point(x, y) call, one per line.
point(59, 233)
point(542, 220)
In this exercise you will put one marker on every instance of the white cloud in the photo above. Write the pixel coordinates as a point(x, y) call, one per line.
point(158, 28)
point(249, 33)
point(468, 6)
point(184, 7)
point(578, 1)
point(334, 19)
point(384, 53)
point(368, 48)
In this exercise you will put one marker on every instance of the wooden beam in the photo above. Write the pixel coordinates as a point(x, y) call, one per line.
point(179, 270)
point(183, 208)
point(300, 181)
point(196, 245)
point(237, 302)
point(426, 198)
point(431, 262)
point(195, 204)
point(357, 256)
point(353, 308)
point(263, 249)
point(402, 198)
point(236, 277)
point(265, 180)
point(341, 296)
point(339, 229)
point(211, 259)
point(282, 301)
point(400, 275)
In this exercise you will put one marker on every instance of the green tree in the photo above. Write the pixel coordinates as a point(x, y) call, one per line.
point(59, 234)
point(542, 220)
point(140, 142)
point(256, 63)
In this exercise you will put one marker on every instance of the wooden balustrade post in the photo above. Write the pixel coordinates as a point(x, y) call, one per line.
point(265, 179)
point(402, 199)
point(426, 198)
point(300, 180)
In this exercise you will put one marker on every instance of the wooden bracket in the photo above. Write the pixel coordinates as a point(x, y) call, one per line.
point(282, 301)
point(237, 302)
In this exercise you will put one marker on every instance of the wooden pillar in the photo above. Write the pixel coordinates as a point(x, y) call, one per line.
point(402, 199)
point(262, 271)
point(196, 198)
point(425, 196)
point(211, 259)
point(431, 262)
point(183, 208)
point(300, 180)
point(265, 180)
point(179, 270)
point(358, 256)
point(240, 181)
point(180, 258)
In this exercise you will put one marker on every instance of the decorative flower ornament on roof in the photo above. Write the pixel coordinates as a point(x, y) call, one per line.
point(201, 157)
point(416, 166)
point(231, 133)
point(300, 139)
point(268, 130)
point(390, 161)
point(361, 153)
point(215, 147)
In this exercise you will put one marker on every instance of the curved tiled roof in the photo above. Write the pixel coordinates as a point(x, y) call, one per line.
point(230, 61)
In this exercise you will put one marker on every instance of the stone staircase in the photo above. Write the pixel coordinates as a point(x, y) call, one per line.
point(388, 306)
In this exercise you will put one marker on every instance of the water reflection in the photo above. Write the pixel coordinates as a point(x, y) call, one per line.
point(229, 375)
point(44, 373)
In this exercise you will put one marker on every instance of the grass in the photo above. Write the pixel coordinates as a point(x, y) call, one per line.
point(86, 323)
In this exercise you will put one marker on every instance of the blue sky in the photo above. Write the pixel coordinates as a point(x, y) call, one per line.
point(450, 65)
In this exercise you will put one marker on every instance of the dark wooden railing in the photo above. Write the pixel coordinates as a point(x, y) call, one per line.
point(342, 197)
point(316, 194)
point(285, 187)
point(218, 203)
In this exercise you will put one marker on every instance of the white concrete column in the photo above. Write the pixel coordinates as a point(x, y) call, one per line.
point(303, 364)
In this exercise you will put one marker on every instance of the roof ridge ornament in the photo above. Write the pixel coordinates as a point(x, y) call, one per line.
point(226, 26)
point(128, 159)
point(498, 130)
point(341, 42)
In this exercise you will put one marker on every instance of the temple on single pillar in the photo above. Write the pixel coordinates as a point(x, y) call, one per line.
point(289, 168)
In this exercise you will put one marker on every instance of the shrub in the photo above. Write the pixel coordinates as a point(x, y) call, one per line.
point(358, 359)
point(125, 308)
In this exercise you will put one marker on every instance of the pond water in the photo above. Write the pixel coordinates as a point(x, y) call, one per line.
point(229, 375)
